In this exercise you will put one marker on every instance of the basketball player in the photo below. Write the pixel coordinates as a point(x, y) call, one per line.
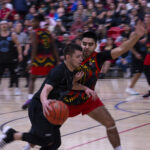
point(9, 55)
point(147, 72)
point(44, 55)
point(138, 56)
point(78, 102)
point(147, 58)
point(58, 81)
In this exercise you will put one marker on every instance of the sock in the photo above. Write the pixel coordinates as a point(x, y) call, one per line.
point(118, 148)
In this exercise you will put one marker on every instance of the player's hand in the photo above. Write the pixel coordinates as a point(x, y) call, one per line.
point(78, 76)
point(91, 93)
point(45, 105)
point(140, 28)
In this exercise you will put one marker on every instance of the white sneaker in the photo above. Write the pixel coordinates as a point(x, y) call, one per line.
point(27, 147)
point(131, 91)
point(17, 92)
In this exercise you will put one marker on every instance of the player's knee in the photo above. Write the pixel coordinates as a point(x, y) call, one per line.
point(110, 124)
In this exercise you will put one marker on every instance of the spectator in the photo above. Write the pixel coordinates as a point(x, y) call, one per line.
point(59, 28)
point(78, 24)
point(21, 7)
point(32, 12)
point(23, 39)
point(4, 12)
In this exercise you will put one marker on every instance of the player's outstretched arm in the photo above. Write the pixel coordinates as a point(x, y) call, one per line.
point(140, 30)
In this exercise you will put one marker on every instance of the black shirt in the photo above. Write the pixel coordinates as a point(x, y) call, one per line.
point(61, 80)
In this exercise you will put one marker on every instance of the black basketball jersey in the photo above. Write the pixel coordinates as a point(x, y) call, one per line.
point(61, 80)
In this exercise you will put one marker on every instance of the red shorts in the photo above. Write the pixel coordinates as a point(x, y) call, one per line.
point(40, 71)
point(42, 64)
point(147, 60)
point(85, 107)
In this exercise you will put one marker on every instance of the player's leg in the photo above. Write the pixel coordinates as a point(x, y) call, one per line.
point(101, 115)
point(2, 68)
point(57, 141)
point(14, 79)
point(147, 74)
point(9, 135)
point(32, 80)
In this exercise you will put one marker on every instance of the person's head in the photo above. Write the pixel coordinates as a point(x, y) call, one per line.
point(16, 17)
point(88, 43)
point(109, 41)
point(36, 21)
point(73, 56)
point(3, 25)
point(18, 27)
point(147, 18)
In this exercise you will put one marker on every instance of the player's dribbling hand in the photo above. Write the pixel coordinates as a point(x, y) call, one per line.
point(45, 105)
point(91, 93)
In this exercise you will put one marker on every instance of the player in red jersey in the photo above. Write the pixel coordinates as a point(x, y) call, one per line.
point(78, 102)
point(147, 58)
point(44, 55)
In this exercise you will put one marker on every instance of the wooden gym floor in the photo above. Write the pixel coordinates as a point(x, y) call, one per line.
point(131, 113)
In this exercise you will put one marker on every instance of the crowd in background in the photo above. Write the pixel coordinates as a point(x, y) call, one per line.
point(112, 20)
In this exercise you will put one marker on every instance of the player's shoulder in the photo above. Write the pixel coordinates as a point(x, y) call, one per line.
point(60, 68)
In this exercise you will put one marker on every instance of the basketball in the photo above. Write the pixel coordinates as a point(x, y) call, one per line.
point(58, 113)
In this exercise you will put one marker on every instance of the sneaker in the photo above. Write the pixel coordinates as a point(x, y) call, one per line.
point(17, 92)
point(147, 95)
point(131, 91)
point(7, 136)
point(26, 104)
point(27, 147)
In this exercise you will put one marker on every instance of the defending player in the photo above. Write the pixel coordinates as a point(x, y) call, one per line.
point(78, 102)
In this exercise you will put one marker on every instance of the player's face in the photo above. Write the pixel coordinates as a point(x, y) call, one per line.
point(76, 59)
point(88, 45)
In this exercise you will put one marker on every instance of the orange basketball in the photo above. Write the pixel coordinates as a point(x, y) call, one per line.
point(58, 113)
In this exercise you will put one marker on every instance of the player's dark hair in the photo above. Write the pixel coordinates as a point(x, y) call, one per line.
point(89, 34)
point(71, 48)
point(39, 18)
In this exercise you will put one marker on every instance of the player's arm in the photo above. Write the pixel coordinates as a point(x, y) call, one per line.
point(19, 49)
point(127, 45)
point(87, 90)
point(44, 97)
point(79, 87)
point(136, 54)
point(34, 44)
point(54, 50)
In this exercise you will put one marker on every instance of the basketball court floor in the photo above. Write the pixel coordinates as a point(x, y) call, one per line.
point(131, 113)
